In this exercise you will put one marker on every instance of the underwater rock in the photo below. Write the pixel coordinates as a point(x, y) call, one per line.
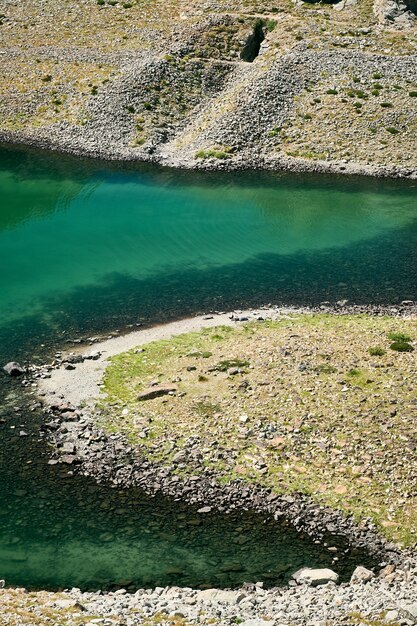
point(13, 369)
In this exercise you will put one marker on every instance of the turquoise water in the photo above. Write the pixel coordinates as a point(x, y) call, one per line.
point(87, 247)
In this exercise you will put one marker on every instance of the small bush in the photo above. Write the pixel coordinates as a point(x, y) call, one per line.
point(274, 132)
point(375, 92)
point(270, 25)
point(308, 116)
point(47, 78)
point(332, 92)
point(358, 105)
point(402, 337)
point(377, 351)
point(214, 153)
point(377, 75)
point(413, 94)
point(354, 372)
point(127, 5)
point(392, 130)
point(100, 3)
point(387, 105)
point(401, 346)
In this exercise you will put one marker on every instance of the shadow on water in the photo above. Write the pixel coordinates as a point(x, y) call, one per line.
point(59, 531)
point(372, 272)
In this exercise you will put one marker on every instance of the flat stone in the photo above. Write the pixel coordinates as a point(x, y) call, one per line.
point(409, 611)
point(220, 597)
point(315, 577)
point(391, 616)
point(157, 391)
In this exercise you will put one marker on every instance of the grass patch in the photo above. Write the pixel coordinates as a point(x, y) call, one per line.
point(214, 153)
point(309, 406)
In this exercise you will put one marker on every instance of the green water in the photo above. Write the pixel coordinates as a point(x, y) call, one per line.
point(87, 247)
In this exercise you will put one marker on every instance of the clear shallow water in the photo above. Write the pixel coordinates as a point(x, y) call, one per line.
point(87, 247)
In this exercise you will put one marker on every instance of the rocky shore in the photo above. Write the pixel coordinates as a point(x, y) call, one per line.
point(388, 598)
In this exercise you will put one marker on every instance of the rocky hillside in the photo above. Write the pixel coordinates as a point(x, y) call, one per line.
point(215, 83)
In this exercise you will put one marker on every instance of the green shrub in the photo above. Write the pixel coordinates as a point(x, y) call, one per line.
point(127, 5)
point(402, 337)
point(130, 108)
point(332, 92)
point(377, 75)
point(357, 105)
point(387, 105)
point(375, 92)
point(413, 94)
point(270, 25)
point(47, 78)
point(308, 116)
point(100, 2)
point(401, 346)
point(392, 130)
point(377, 351)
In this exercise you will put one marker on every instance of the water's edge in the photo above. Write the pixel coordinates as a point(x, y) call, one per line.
point(253, 162)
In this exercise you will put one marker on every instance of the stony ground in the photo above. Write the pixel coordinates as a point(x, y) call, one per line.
point(317, 404)
point(166, 81)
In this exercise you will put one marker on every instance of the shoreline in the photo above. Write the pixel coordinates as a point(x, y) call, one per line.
point(69, 396)
point(387, 597)
point(82, 385)
point(244, 163)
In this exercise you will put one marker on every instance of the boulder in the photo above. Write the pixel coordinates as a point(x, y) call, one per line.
point(409, 612)
point(14, 369)
point(157, 391)
point(315, 577)
point(361, 575)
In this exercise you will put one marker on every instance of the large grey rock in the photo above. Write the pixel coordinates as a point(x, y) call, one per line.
point(157, 391)
point(315, 577)
point(14, 369)
point(361, 575)
point(394, 12)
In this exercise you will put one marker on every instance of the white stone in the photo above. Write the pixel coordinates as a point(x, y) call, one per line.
point(314, 577)
point(220, 597)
